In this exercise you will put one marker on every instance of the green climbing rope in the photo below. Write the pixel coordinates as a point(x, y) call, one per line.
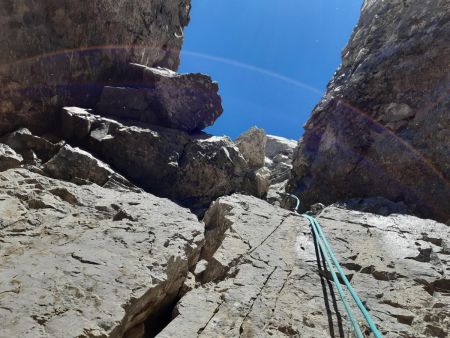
point(332, 263)
point(352, 319)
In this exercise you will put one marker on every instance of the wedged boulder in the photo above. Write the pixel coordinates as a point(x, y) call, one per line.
point(9, 158)
point(270, 158)
point(188, 102)
point(264, 278)
point(84, 261)
point(257, 183)
point(56, 53)
point(276, 145)
point(279, 153)
point(211, 166)
point(382, 128)
point(252, 145)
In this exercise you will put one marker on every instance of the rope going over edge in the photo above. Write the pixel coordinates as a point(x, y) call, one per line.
point(332, 262)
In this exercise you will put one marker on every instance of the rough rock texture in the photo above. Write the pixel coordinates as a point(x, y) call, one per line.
point(9, 158)
point(78, 166)
point(252, 145)
point(187, 102)
point(85, 252)
point(279, 153)
point(383, 127)
point(211, 166)
point(276, 145)
point(84, 261)
point(61, 52)
point(264, 279)
point(191, 169)
point(31, 147)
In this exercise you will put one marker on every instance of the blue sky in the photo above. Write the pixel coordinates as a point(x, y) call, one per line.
point(272, 58)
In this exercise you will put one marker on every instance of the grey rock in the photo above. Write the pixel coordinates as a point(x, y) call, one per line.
point(71, 267)
point(276, 145)
point(193, 169)
point(382, 128)
point(76, 124)
point(148, 155)
point(375, 205)
point(76, 165)
point(189, 102)
point(211, 166)
point(263, 278)
point(276, 194)
point(9, 158)
point(33, 148)
point(279, 152)
point(252, 145)
point(262, 179)
point(270, 158)
point(57, 53)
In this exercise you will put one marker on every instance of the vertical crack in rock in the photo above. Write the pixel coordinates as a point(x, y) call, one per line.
point(281, 290)
point(265, 239)
point(211, 318)
point(241, 328)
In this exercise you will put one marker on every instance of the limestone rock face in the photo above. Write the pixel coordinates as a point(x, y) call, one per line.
point(84, 261)
point(260, 277)
point(252, 145)
point(62, 52)
point(188, 102)
point(383, 127)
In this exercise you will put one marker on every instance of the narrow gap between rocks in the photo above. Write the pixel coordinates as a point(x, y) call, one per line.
point(156, 323)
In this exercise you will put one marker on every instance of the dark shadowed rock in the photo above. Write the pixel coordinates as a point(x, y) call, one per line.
point(188, 102)
point(383, 127)
point(8, 158)
point(32, 147)
point(375, 205)
point(62, 52)
point(76, 124)
point(191, 169)
point(210, 167)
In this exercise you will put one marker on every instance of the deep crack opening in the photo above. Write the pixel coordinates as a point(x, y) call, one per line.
point(159, 321)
